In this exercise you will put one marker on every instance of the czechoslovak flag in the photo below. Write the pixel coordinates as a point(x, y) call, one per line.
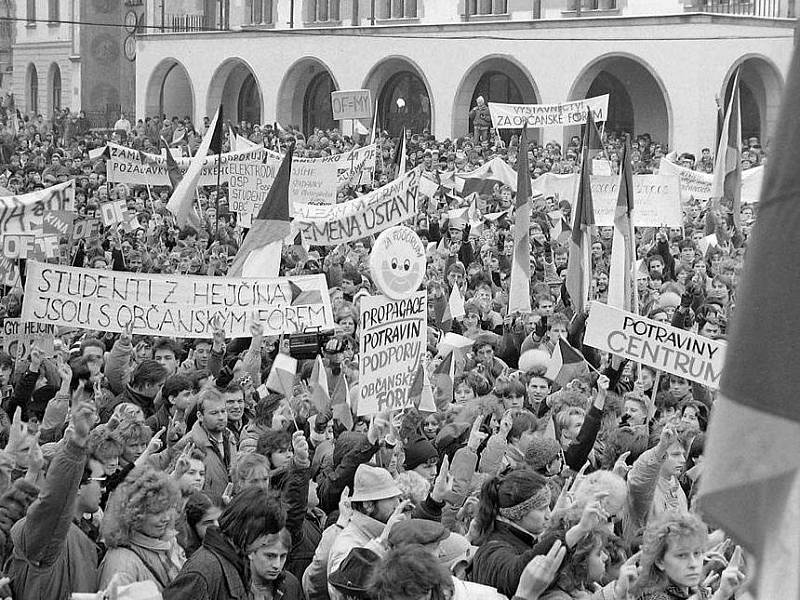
point(751, 483)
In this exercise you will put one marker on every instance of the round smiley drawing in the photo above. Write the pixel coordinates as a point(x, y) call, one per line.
point(397, 262)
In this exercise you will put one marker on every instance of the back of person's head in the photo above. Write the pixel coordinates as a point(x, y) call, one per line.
point(251, 515)
point(148, 373)
point(520, 423)
point(176, 384)
point(273, 441)
point(410, 572)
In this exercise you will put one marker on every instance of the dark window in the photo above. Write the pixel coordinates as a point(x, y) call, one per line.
point(415, 114)
point(317, 112)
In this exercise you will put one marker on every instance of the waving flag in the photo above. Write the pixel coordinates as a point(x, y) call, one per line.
point(181, 202)
point(579, 267)
point(566, 364)
point(621, 282)
point(751, 477)
point(320, 394)
point(727, 181)
point(260, 252)
point(519, 294)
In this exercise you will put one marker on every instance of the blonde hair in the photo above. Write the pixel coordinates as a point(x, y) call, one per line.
point(145, 491)
point(671, 525)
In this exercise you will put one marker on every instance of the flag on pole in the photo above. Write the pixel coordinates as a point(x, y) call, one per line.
point(320, 394)
point(579, 267)
point(566, 364)
point(519, 293)
point(181, 202)
point(232, 138)
point(281, 375)
point(621, 281)
point(443, 377)
point(751, 477)
point(340, 402)
point(421, 391)
point(451, 310)
point(173, 170)
point(727, 181)
point(260, 252)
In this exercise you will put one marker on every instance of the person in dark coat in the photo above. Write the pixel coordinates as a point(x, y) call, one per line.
point(512, 522)
point(243, 557)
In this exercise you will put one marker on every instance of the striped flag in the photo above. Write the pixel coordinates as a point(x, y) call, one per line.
point(566, 364)
point(260, 252)
point(173, 170)
point(340, 402)
point(727, 181)
point(519, 293)
point(751, 477)
point(621, 281)
point(181, 202)
point(443, 377)
point(281, 375)
point(232, 138)
point(320, 394)
point(579, 267)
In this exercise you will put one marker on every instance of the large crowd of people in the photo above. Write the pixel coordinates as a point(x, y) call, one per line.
point(146, 467)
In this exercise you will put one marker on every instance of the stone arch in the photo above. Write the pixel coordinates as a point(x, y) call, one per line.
point(395, 78)
point(294, 106)
point(498, 78)
point(170, 91)
point(761, 85)
point(638, 101)
point(235, 86)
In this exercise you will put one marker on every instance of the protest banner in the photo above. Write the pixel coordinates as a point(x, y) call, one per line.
point(9, 273)
point(656, 200)
point(392, 341)
point(317, 180)
point(655, 344)
point(126, 165)
point(86, 228)
point(58, 222)
point(752, 179)
point(558, 187)
point(45, 246)
point(18, 245)
point(694, 184)
point(174, 306)
point(351, 104)
point(249, 181)
point(334, 224)
point(113, 212)
point(564, 114)
point(25, 213)
point(19, 338)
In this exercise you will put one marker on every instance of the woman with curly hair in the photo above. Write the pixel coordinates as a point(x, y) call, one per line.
point(671, 565)
point(139, 530)
point(585, 567)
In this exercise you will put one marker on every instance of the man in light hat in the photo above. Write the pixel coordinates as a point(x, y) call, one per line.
point(376, 508)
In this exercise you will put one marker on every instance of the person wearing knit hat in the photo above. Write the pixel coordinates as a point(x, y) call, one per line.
point(544, 455)
point(422, 457)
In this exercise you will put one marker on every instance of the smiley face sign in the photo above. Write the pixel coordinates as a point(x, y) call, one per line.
point(397, 262)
